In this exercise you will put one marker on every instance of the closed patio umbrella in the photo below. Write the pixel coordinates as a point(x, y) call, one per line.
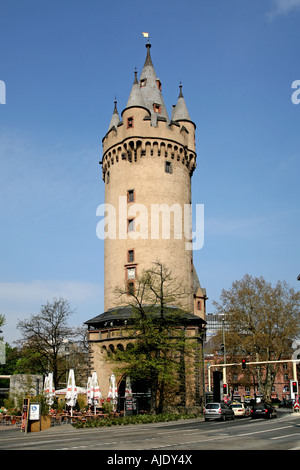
point(89, 391)
point(95, 391)
point(128, 389)
point(71, 395)
point(49, 389)
point(113, 391)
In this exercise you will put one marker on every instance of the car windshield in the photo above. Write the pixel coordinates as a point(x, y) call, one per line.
point(236, 406)
point(259, 407)
point(212, 406)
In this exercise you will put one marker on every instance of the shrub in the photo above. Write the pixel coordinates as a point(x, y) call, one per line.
point(132, 419)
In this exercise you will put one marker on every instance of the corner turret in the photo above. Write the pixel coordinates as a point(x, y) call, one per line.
point(180, 111)
point(115, 119)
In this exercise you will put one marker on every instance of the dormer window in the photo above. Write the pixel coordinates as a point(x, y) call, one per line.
point(143, 82)
point(157, 108)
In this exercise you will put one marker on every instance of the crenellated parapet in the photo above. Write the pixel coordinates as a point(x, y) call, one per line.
point(136, 137)
point(133, 149)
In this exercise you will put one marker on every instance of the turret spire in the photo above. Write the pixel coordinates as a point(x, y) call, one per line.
point(135, 97)
point(151, 89)
point(148, 60)
point(180, 111)
point(115, 119)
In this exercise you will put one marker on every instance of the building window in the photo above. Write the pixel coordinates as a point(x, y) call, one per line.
point(143, 82)
point(157, 108)
point(130, 288)
point(130, 256)
point(130, 195)
point(130, 274)
point(168, 167)
point(129, 122)
point(198, 304)
point(130, 225)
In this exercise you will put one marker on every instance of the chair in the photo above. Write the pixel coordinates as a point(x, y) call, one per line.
point(18, 420)
point(7, 420)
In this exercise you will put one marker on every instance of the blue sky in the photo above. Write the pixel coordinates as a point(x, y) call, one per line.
point(63, 62)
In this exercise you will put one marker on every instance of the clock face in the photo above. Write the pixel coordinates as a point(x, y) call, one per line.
point(131, 273)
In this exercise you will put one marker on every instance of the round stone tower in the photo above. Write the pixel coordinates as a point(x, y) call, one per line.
point(148, 162)
point(147, 165)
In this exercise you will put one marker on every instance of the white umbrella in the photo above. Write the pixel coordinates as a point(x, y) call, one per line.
point(49, 389)
point(95, 391)
point(71, 395)
point(46, 385)
point(89, 391)
point(128, 389)
point(113, 390)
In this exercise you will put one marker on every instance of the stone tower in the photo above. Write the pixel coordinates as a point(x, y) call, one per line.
point(147, 165)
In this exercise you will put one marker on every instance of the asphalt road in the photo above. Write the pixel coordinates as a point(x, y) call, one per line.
point(173, 438)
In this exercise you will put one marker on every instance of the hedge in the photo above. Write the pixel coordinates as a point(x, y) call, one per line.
point(132, 419)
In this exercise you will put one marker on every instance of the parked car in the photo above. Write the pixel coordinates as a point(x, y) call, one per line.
point(240, 409)
point(218, 411)
point(263, 410)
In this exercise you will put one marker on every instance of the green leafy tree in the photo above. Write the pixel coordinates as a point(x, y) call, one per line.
point(160, 352)
point(44, 340)
point(261, 323)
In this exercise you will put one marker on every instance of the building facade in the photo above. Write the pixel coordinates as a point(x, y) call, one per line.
point(147, 165)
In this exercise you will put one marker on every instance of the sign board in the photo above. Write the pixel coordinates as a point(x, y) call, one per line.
point(34, 411)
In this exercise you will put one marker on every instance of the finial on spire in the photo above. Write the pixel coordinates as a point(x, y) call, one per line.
point(115, 108)
point(180, 93)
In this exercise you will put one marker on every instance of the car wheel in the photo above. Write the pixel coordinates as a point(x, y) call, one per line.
point(233, 417)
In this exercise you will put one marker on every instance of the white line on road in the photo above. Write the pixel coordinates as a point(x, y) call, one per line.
point(286, 435)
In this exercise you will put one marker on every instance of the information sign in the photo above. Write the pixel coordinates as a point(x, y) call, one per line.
point(34, 411)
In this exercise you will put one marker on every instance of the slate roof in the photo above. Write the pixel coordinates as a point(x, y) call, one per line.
point(146, 92)
point(120, 314)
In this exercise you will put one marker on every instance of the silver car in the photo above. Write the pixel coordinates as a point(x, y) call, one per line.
point(218, 411)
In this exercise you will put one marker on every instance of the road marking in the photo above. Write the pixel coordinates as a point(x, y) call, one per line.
point(286, 435)
point(233, 436)
point(259, 432)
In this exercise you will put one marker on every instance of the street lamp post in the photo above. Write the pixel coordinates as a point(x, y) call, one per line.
point(224, 352)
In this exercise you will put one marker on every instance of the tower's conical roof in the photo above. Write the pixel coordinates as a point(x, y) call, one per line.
point(135, 97)
point(150, 87)
point(180, 111)
point(115, 119)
